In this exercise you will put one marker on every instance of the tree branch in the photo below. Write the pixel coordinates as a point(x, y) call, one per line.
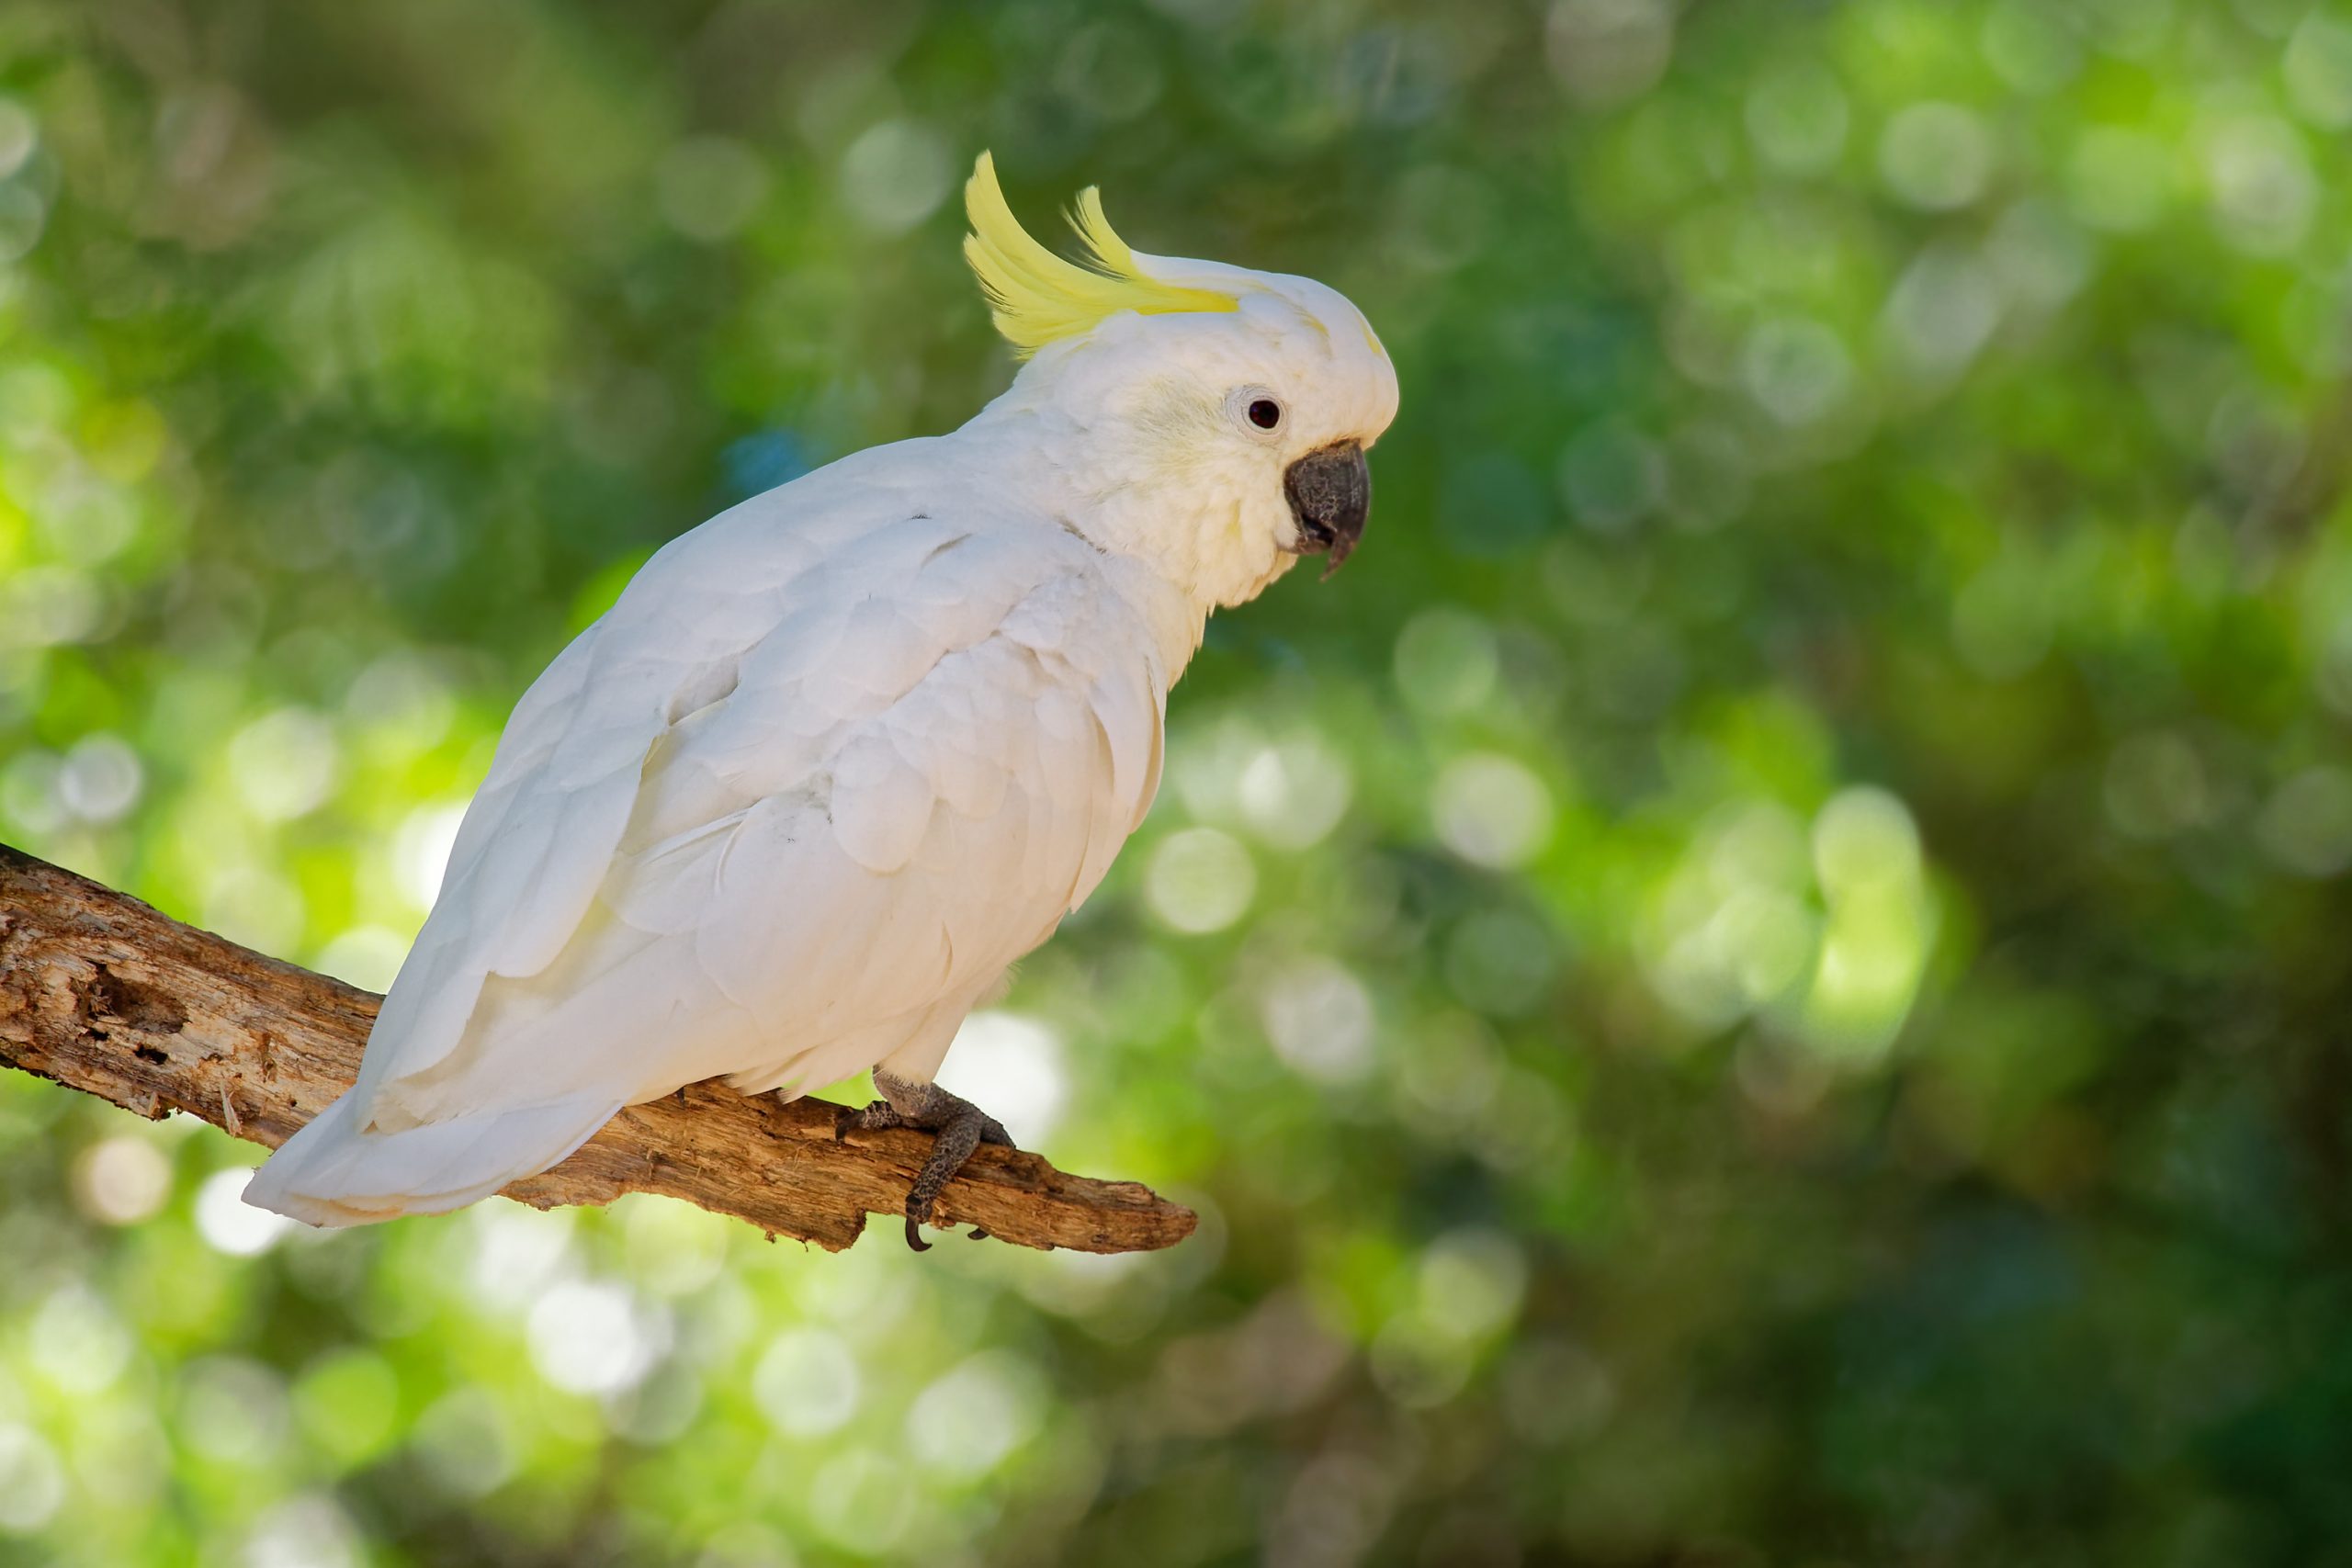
point(102, 994)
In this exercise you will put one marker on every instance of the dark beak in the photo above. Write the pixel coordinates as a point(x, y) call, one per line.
point(1329, 492)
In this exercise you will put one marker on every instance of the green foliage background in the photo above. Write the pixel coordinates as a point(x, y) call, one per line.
point(1762, 979)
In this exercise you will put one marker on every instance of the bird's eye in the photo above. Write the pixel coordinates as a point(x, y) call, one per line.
point(1265, 413)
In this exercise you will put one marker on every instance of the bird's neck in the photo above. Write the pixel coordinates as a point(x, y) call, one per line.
point(1192, 529)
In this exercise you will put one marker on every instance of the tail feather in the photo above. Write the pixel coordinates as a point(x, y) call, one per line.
point(331, 1173)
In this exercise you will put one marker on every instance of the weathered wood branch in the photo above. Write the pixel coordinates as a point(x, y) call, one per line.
point(102, 994)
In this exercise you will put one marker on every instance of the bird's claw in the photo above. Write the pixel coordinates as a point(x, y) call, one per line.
point(874, 1117)
point(957, 1126)
point(916, 1242)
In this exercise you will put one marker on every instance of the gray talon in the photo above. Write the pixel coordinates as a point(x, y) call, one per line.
point(958, 1127)
point(874, 1118)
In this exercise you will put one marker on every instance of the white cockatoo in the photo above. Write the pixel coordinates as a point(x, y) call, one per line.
point(840, 755)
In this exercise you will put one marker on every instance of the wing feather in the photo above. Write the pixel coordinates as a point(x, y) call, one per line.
point(802, 826)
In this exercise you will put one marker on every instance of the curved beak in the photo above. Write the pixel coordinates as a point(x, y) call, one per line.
point(1329, 492)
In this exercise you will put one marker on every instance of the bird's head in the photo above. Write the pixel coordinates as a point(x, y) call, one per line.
point(1209, 419)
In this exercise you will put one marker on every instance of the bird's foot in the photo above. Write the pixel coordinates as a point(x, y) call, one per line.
point(958, 1126)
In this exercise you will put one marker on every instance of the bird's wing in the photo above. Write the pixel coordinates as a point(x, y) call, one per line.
point(540, 832)
point(775, 806)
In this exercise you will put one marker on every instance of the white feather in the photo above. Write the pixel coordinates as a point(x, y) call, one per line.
point(329, 1173)
point(828, 766)
point(839, 756)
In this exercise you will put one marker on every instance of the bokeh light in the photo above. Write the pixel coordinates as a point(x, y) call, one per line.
point(1759, 979)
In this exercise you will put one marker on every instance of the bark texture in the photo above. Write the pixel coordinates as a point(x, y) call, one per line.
point(101, 993)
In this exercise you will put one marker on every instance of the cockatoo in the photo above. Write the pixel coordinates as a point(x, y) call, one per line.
point(840, 755)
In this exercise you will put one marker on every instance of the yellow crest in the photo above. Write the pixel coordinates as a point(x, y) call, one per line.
point(1036, 297)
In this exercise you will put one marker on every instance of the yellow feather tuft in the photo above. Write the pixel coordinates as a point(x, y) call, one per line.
point(1036, 297)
